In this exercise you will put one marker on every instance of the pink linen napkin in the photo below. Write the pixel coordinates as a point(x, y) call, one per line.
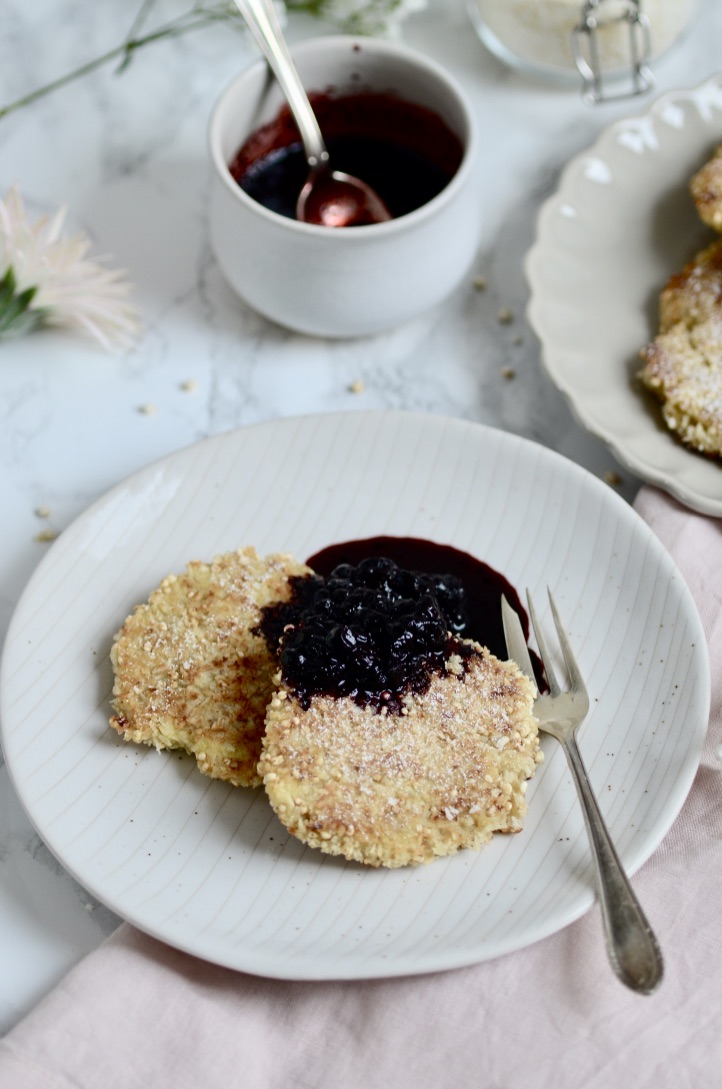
point(136, 1013)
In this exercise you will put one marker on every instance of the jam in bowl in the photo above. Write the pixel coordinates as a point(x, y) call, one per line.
point(405, 152)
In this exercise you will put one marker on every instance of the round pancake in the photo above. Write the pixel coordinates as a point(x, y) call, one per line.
point(706, 189)
point(683, 364)
point(694, 295)
point(683, 368)
point(398, 789)
point(190, 673)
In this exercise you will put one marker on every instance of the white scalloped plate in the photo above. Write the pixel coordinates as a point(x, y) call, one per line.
point(208, 868)
point(621, 222)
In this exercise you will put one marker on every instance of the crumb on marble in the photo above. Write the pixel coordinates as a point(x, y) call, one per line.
point(612, 477)
point(357, 386)
point(480, 283)
point(147, 410)
point(508, 372)
point(517, 340)
point(46, 535)
point(189, 386)
point(42, 511)
point(505, 316)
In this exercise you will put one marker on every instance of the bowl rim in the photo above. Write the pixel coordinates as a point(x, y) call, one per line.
point(342, 42)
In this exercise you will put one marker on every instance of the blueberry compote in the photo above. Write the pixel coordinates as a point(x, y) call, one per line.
point(405, 152)
point(366, 627)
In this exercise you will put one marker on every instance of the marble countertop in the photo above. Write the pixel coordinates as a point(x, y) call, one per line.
point(126, 151)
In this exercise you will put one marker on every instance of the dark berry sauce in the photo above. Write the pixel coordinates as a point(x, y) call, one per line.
point(405, 152)
point(366, 627)
point(480, 585)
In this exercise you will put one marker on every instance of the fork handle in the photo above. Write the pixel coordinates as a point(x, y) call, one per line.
point(632, 947)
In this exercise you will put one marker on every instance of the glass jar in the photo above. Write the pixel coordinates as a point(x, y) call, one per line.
point(601, 41)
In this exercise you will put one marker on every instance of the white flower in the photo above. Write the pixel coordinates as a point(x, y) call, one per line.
point(45, 279)
point(369, 17)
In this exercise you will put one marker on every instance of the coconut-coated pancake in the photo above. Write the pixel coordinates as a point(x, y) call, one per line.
point(694, 295)
point(683, 364)
point(398, 789)
point(189, 671)
point(706, 189)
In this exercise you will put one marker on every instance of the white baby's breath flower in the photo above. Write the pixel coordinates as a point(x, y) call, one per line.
point(370, 17)
point(46, 279)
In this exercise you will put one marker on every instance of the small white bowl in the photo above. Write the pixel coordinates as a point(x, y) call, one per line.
point(350, 281)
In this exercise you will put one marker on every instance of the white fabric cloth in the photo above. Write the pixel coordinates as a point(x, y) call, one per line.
point(136, 1013)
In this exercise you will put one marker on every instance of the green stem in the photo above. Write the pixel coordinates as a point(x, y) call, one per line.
point(194, 20)
point(135, 27)
point(198, 17)
point(313, 7)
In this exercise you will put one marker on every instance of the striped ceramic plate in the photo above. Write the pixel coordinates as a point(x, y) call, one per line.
point(206, 867)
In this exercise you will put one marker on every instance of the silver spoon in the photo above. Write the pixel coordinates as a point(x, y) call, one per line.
point(329, 198)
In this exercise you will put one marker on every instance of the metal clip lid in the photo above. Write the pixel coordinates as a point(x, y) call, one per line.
point(586, 47)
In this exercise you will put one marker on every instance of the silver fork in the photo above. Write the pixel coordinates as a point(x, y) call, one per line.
point(631, 945)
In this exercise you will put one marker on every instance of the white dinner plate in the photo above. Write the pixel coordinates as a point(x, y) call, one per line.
point(620, 224)
point(207, 867)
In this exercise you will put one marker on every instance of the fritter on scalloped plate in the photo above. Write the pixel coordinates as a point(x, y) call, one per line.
point(706, 189)
point(683, 364)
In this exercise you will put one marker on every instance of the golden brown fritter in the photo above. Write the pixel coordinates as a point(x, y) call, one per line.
point(683, 364)
point(398, 789)
point(189, 671)
point(706, 189)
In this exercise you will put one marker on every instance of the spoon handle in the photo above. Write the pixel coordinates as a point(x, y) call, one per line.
point(263, 21)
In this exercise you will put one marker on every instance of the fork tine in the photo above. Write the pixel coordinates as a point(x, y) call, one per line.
point(575, 677)
point(554, 688)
